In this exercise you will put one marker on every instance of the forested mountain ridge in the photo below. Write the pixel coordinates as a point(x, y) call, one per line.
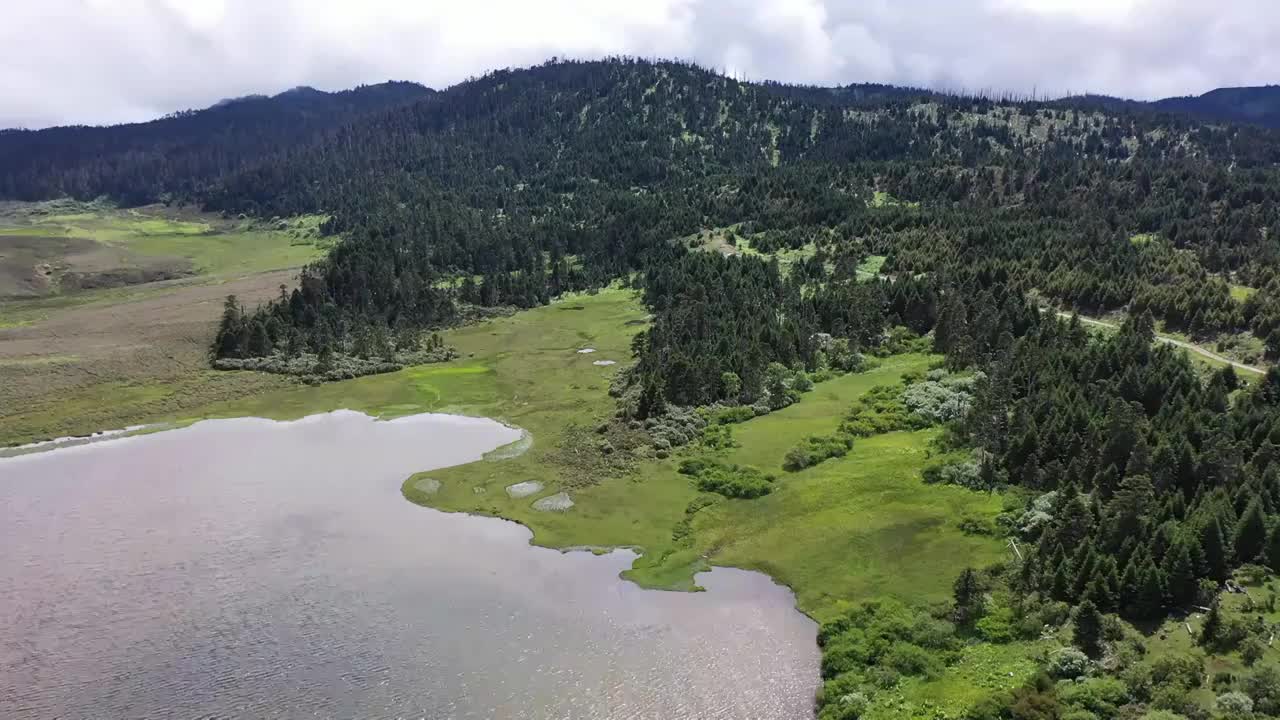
point(569, 173)
point(179, 156)
point(608, 161)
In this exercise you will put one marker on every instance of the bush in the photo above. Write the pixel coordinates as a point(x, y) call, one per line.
point(1252, 650)
point(937, 402)
point(977, 525)
point(733, 415)
point(335, 366)
point(718, 437)
point(1263, 686)
point(879, 411)
point(696, 466)
point(1068, 664)
point(908, 659)
point(1100, 696)
point(816, 448)
point(1234, 704)
point(1162, 715)
point(998, 626)
point(732, 481)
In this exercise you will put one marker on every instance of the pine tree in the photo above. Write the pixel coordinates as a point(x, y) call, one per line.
point(1139, 458)
point(1211, 630)
point(1180, 575)
point(259, 340)
point(1085, 562)
point(1273, 548)
point(1251, 534)
point(967, 592)
point(1149, 601)
point(1217, 553)
point(1087, 633)
point(1060, 586)
point(230, 330)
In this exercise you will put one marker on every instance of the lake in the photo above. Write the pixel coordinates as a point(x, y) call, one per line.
point(252, 568)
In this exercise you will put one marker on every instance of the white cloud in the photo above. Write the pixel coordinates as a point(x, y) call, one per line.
point(117, 60)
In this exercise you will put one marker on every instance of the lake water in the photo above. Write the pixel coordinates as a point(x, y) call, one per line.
point(249, 568)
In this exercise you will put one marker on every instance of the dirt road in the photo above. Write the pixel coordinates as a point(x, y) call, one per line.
point(1180, 343)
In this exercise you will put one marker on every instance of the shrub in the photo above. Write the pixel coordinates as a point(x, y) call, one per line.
point(733, 481)
point(1100, 696)
point(879, 411)
point(909, 659)
point(1162, 715)
point(816, 448)
point(849, 706)
point(719, 437)
point(695, 466)
point(1252, 650)
point(1234, 704)
point(997, 626)
point(977, 525)
point(936, 402)
point(733, 415)
point(1263, 686)
point(332, 366)
point(1068, 664)
point(801, 383)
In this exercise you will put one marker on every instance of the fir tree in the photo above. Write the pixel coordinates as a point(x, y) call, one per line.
point(1251, 534)
point(1087, 631)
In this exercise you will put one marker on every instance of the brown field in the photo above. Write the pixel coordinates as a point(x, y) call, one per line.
point(86, 365)
point(107, 316)
point(37, 266)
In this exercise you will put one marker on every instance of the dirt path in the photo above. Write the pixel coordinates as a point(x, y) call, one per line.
point(1180, 343)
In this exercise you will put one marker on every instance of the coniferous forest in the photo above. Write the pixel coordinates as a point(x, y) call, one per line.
point(775, 230)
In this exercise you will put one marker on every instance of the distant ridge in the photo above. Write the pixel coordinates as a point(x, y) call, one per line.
point(1258, 104)
point(181, 154)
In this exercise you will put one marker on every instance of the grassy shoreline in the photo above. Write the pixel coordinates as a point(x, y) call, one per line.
point(841, 532)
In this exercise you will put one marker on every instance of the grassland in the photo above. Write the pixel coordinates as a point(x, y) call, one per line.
point(870, 267)
point(106, 315)
point(881, 199)
point(730, 241)
point(1240, 293)
point(97, 245)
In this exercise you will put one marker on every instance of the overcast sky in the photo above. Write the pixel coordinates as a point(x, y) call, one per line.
point(103, 61)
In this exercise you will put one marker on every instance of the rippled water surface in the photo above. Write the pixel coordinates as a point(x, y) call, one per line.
point(248, 568)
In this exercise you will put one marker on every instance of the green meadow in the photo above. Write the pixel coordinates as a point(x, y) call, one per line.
point(213, 246)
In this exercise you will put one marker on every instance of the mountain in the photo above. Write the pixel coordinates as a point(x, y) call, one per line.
point(1259, 105)
point(180, 154)
point(569, 174)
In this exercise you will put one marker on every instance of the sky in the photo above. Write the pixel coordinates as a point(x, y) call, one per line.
point(109, 61)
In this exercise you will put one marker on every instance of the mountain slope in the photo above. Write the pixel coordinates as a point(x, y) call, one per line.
point(183, 153)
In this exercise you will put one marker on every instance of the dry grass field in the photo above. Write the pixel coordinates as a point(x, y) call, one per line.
point(106, 316)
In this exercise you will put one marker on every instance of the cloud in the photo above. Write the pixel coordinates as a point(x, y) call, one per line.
point(101, 61)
